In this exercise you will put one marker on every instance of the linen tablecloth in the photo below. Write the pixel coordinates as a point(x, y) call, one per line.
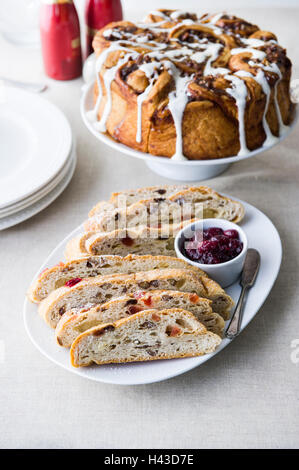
point(247, 396)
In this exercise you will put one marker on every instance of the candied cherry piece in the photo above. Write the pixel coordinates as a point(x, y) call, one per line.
point(73, 282)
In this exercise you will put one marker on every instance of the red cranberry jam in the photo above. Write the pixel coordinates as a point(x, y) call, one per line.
point(213, 246)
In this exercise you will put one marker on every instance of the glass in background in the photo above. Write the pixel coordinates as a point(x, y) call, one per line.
point(19, 21)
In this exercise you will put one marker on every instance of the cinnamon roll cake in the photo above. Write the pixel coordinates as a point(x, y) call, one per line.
point(185, 87)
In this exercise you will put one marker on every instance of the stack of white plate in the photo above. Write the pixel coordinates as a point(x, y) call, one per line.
point(37, 155)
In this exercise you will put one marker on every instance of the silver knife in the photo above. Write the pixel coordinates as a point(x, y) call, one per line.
point(249, 273)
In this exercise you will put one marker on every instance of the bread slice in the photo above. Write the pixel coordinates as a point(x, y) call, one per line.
point(192, 203)
point(146, 336)
point(75, 248)
point(233, 210)
point(98, 290)
point(131, 196)
point(91, 266)
point(148, 213)
point(71, 325)
point(131, 241)
point(214, 204)
point(141, 240)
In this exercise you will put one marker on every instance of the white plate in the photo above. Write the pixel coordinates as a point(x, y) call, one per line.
point(44, 202)
point(35, 141)
point(254, 224)
point(30, 200)
point(187, 170)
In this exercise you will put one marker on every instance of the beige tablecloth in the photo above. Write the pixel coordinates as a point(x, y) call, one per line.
point(246, 396)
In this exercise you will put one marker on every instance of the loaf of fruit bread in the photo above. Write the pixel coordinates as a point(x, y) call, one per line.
point(98, 290)
point(74, 271)
point(71, 325)
point(141, 240)
point(144, 336)
point(201, 202)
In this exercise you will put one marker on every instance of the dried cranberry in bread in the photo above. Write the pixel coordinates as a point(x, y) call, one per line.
point(146, 336)
point(71, 325)
point(98, 290)
point(141, 241)
point(91, 266)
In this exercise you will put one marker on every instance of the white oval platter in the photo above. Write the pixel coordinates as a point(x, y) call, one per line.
point(255, 223)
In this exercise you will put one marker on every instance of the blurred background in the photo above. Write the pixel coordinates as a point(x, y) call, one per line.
point(19, 18)
point(19, 26)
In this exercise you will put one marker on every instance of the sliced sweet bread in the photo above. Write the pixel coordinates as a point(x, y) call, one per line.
point(131, 241)
point(131, 196)
point(141, 240)
point(201, 202)
point(98, 290)
point(146, 336)
point(214, 205)
point(71, 325)
point(91, 266)
point(75, 248)
point(149, 213)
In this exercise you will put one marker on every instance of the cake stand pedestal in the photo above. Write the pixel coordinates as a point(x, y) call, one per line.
point(187, 173)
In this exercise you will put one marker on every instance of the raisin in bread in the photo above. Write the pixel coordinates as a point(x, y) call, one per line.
point(190, 203)
point(98, 290)
point(71, 325)
point(55, 277)
point(141, 240)
point(131, 196)
point(214, 204)
point(147, 335)
point(148, 213)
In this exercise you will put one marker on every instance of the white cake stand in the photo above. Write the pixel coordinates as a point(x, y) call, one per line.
point(187, 170)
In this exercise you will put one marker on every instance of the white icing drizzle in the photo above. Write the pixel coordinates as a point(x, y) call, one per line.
point(177, 13)
point(239, 93)
point(92, 115)
point(212, 51)
point(149, 70)
point(108, 78)
point(108, 32)
point(216, 18)
point(282, 127)
point(256, 53)
point(202, 51)
point(159, 13)
point(177, 104)
point(261, 79)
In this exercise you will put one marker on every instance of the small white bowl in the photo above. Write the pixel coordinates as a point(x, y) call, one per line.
point(224, 273)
